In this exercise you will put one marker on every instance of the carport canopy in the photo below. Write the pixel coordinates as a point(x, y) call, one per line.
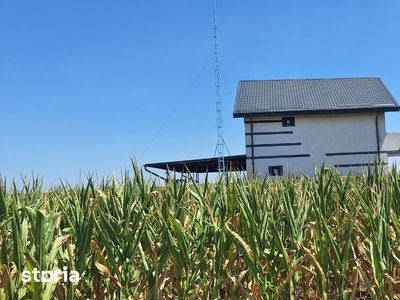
point(204, 165)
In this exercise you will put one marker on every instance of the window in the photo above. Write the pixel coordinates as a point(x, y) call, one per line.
point(275, 170)
point(288, 122)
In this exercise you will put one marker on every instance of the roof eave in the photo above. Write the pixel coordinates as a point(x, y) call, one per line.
point(317, 112)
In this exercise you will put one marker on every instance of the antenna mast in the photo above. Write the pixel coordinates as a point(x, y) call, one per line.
point(220, 134)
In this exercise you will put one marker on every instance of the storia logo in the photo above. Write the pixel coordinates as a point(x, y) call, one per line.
point(50, 276)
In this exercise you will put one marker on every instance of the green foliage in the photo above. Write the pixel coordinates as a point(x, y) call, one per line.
point(326, 237)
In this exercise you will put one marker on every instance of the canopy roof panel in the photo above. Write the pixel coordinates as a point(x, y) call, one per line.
point(210, 165)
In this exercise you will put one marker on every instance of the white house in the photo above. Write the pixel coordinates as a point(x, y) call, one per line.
point(292, 124)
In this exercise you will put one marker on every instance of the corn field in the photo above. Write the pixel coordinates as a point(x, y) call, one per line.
point(326, 237)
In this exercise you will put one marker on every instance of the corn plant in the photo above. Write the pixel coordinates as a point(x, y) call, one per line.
point(326, 237)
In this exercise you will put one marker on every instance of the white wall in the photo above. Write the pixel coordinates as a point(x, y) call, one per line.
point(394, 161)
point(320, 137)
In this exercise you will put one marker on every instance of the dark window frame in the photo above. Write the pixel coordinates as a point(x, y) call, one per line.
point(275, 170)
point(288, 122)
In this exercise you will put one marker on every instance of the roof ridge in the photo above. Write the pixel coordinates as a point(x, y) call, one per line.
point(304, 79)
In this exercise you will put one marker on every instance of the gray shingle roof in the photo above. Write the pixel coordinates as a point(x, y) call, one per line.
point(312, 96)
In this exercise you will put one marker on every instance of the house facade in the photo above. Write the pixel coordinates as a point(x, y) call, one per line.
point(292, 125)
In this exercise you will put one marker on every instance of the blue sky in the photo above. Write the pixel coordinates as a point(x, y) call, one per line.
point(86, 86)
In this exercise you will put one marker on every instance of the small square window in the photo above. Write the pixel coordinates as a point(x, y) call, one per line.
point(275, 170)
point(287, 122)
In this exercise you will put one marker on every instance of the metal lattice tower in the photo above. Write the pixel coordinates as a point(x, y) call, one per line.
point(218, 101)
